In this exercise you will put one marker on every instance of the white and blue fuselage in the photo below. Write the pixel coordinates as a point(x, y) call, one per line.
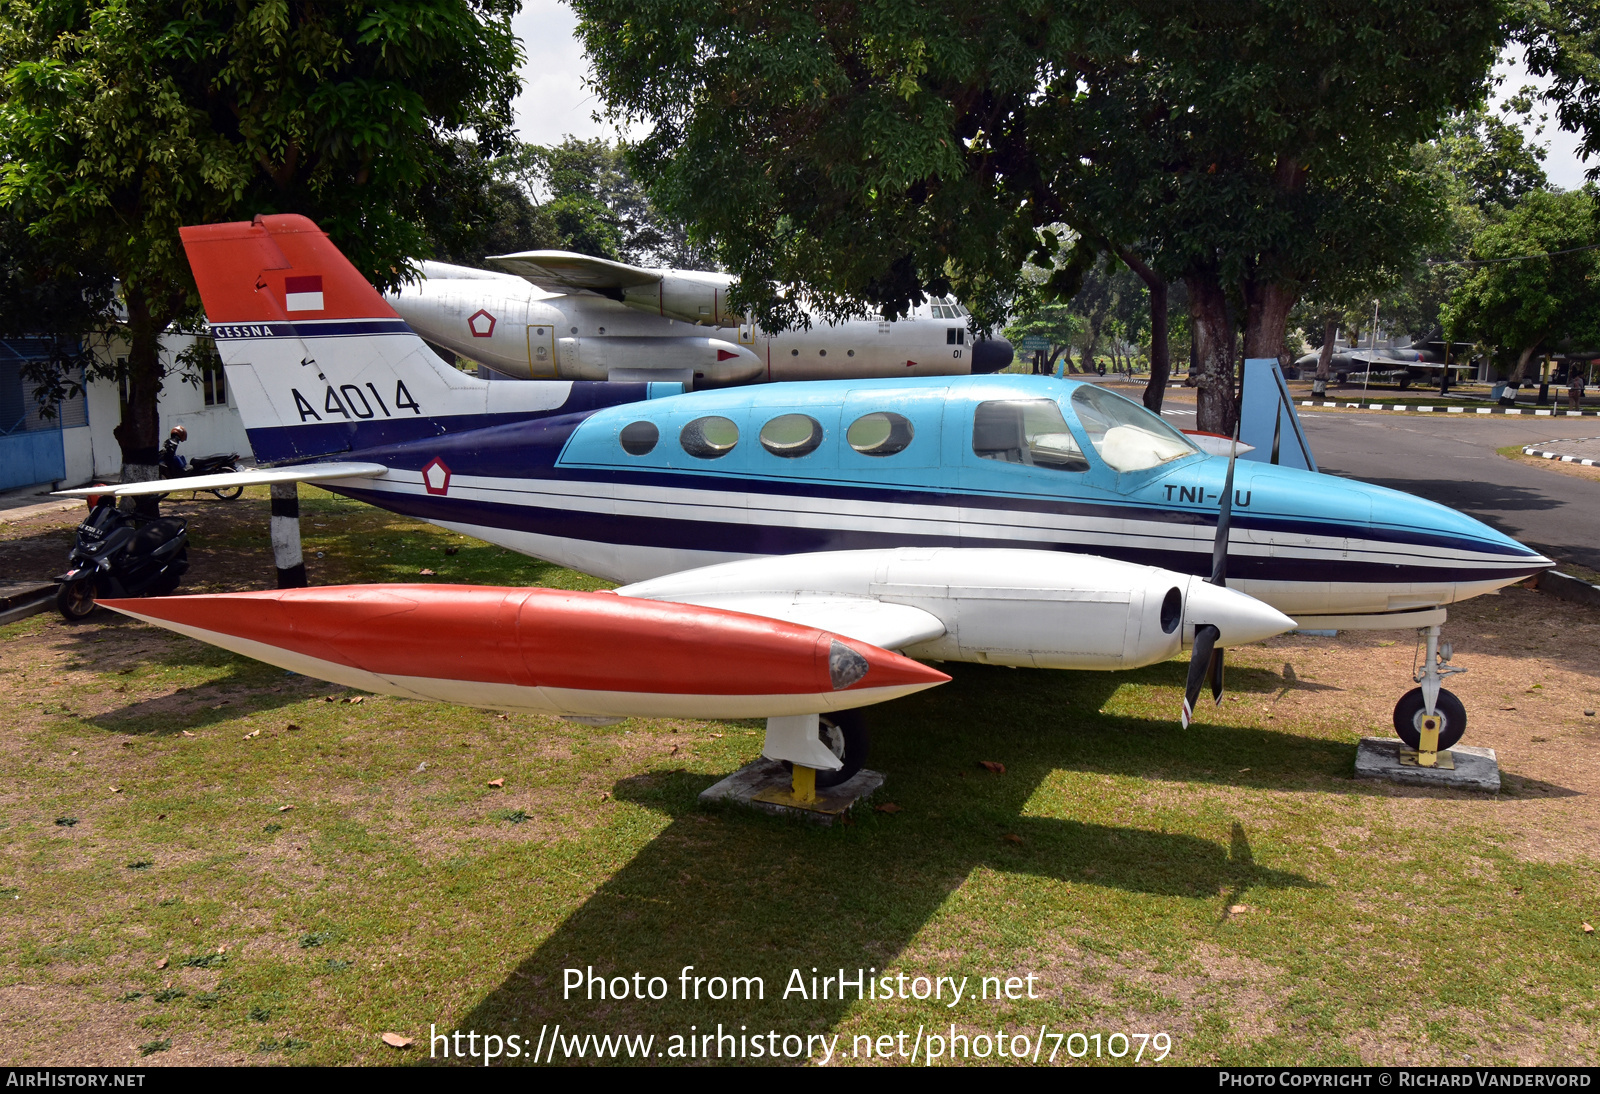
point(653, 486)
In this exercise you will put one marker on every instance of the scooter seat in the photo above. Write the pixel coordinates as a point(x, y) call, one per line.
point(154, 534)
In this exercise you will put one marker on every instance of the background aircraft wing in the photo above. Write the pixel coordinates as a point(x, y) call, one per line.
point(888, 626)
point(564, 271)
point(260, 476)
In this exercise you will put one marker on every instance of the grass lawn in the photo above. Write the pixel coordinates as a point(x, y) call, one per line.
point(204, 859)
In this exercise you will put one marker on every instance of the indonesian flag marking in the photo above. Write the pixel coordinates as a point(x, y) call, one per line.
point(303, 293)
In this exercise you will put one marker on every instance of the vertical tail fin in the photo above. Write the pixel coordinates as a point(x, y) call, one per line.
point(318, 362)
point(1267, 420)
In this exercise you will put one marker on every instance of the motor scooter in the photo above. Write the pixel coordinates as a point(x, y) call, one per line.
point(174, 466)
point(121, 554)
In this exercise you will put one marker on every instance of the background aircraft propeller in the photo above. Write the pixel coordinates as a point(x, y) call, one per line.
point(1205, 659)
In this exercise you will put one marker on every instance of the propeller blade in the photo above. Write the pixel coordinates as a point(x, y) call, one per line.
point(1205, 641)
point(1219, 547)
point(1216, 676)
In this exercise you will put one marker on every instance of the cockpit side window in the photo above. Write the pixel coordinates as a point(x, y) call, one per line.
point(1026, 431)
point(1126, 435)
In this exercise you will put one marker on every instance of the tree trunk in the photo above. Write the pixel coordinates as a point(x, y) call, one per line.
point(1160, 352)
point(139, 432)
point(1212, 371)
point(1330, 328)
point(1515, 383)
point(1266, 318)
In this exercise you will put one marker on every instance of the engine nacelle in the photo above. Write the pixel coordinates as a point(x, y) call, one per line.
point(702, 360)
point(692, 297)
point(998, 606)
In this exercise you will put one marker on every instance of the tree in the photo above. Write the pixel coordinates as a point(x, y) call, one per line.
point(55, 292)
point(1057, 324)
point(573, 196)
point(1523, 294)
point(121, 120)
point(597, 206)
point(865, 153)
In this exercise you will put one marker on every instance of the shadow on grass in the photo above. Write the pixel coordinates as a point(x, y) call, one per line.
point(115, 646)
point(736, 893)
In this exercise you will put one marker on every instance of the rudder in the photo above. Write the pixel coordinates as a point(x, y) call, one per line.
point(318, 362)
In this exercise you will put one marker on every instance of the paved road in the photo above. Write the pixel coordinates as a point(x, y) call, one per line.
point(1451, 459)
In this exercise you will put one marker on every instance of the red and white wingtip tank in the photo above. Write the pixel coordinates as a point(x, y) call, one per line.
point(553, 651)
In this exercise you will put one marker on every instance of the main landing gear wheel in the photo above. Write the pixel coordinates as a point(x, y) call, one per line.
point(75, 599)
point(1410, 711)
point(844, 733)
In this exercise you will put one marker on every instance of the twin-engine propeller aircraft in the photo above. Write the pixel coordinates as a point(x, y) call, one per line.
point(563, 316)
point(1012, 520)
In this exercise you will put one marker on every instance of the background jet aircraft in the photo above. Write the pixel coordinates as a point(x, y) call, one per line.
point(559, 315)
point(1414, 364)
point(1012, 520)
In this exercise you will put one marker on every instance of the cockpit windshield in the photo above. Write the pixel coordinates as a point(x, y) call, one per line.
point(1126, 435)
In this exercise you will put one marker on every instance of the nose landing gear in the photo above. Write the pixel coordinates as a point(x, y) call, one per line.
point(1430, 719)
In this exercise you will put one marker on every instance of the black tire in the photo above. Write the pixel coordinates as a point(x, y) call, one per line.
point(75, 599)
point(230, 493)
point(1408, 716)
point(844, 733)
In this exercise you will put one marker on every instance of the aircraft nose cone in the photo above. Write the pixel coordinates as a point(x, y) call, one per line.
point(991, 355)
point(1241, 619)
point(853, 663)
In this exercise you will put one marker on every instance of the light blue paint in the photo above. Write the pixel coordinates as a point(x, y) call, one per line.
point(1267, 419)
point(940, 458)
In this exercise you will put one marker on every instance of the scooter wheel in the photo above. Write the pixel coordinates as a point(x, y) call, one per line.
point(75, 599)
point(230, 493)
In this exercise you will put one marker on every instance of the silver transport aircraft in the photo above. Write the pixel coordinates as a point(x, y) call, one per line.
point(562, 316)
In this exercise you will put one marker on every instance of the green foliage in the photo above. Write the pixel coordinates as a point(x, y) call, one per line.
point(1479, 167)
point(869, 152)
point(121, 120)
point(1489, 160)
point(204, 961)
point(1058, 324)
point(1562, 41)
point(1533, 303)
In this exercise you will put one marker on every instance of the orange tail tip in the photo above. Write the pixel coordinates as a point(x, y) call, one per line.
point(276, 268)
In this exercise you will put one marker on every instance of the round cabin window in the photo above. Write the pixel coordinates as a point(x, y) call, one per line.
point(709, 437)
point(639, 438)
point(881, 433)
point(791, 435)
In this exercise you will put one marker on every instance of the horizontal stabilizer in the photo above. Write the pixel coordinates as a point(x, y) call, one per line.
point(263, 476)
point(888, 626)
point(1215, 444)
point(564, 270)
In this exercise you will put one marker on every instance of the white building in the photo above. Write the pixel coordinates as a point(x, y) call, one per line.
point(77, 445)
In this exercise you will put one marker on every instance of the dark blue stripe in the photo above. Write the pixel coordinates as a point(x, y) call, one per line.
point(759, 539)
point(530, 450)
point(384, 440)
point(334, 329)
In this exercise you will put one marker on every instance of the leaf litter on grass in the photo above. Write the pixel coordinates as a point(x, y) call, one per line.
point(1137, 842)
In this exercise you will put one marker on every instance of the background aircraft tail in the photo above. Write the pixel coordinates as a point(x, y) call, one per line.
point(1267, 419)
point(320, 364)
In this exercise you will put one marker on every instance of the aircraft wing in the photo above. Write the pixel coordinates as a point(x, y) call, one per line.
point(564, 271)
point(263, 476)
point(888, 626)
